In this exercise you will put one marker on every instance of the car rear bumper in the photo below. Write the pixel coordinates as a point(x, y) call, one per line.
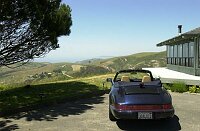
point(156, 114)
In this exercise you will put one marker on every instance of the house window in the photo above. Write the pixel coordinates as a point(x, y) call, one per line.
point(170, 52)
point(191, 54)
point(175, 54)
point(191, 49)
point(185, 54)
point(180, 54)
point(199, 52)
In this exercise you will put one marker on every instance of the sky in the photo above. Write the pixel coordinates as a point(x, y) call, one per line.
point(109, 28)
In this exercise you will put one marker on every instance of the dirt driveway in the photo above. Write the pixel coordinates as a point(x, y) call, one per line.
point(91, 114)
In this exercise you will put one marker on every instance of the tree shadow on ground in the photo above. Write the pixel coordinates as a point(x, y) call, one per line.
point(5, 126)
point(150, 125)
point(51, 113)
point(75, 104)
point(36, 96)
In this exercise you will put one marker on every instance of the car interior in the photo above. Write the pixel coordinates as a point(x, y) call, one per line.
point(126, 78)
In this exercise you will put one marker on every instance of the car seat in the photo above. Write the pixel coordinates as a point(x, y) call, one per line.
point(125, 78)
point(146, 79)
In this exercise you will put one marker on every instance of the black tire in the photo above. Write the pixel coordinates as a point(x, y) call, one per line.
point(168, 118)
point(111, 117)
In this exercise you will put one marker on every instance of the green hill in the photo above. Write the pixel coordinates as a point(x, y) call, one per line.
point(46, 72)
point(139, 60)
point(32, 71)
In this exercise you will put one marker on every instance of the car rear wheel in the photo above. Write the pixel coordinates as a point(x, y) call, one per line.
point(111, 117)
point(167, 119)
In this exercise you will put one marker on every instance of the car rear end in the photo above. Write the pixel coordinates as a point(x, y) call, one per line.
point(147, 102)
point(123, 111)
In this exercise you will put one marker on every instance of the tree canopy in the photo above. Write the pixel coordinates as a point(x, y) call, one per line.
point(30, 28)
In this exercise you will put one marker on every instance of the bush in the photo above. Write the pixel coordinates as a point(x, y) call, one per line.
point(166, 86)
point(198, 90)
point(193, 89)
point(3, 87)
point(179, 87)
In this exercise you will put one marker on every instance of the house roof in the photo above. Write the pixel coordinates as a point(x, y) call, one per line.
point(188, 36)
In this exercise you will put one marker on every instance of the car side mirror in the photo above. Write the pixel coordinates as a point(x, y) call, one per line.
point(109, 80)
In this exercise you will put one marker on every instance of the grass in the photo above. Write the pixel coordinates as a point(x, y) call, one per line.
point(17, 98)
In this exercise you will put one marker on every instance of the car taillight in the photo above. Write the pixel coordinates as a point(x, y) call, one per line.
point(142, 107)
point(122, 107)
point(167, 106)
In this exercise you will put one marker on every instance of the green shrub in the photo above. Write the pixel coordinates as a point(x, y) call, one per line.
point(198, 90)
point(179, 87)
point(166, 86)
point(3, 87)
point(193, 89)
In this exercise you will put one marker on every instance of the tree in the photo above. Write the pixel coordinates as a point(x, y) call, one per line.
point(30, 28)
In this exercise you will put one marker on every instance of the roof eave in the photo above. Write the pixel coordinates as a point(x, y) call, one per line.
point(180, 38)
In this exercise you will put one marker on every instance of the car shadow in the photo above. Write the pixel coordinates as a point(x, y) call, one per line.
point(150, 125)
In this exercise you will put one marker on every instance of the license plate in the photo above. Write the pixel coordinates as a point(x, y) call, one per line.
point(145, 115)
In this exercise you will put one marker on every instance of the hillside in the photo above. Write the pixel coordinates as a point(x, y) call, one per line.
point(44, 72)
point(139, 60)
point(89, 61)
point(47, 72)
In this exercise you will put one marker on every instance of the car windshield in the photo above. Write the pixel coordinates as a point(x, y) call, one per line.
point(131, 76)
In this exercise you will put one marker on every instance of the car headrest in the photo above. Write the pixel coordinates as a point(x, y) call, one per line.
point(125, 78)
point(146, 79)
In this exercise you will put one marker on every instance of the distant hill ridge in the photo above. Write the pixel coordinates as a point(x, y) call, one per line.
point(59, 71)
point(139, 60)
